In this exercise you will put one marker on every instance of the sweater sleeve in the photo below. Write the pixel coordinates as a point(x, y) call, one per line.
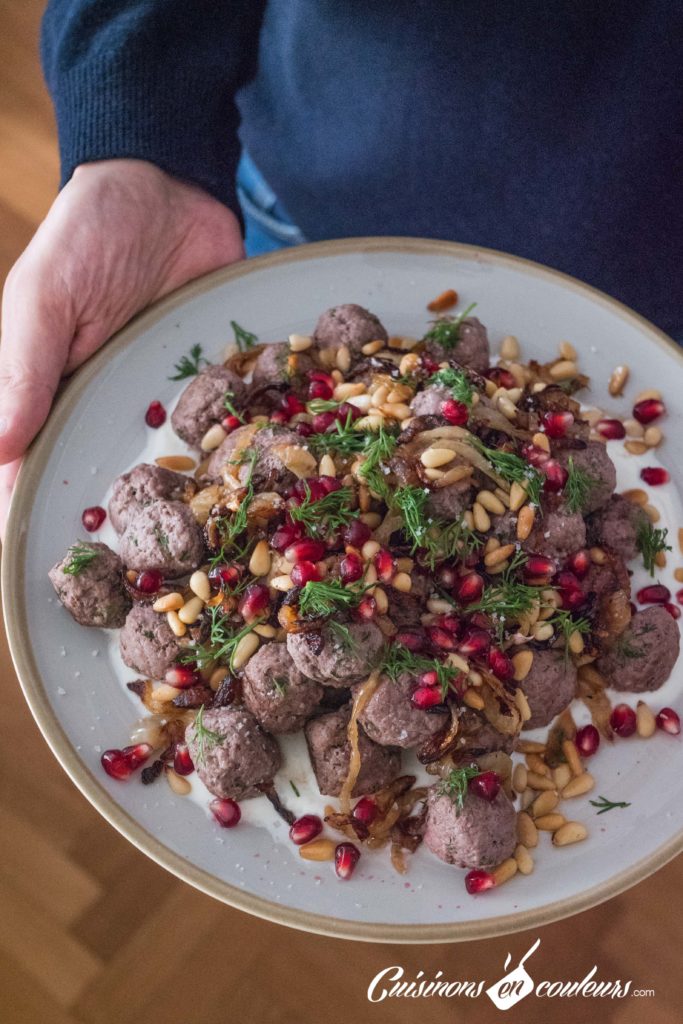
point(152, 80)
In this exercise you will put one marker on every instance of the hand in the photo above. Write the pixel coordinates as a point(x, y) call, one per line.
point(120, 234)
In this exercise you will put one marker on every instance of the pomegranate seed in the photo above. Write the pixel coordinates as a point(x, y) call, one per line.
point(623, 720)
point(285, 536)
point(292, 404)
point(587, 740)
point(305, 551)
point(429, 679)
point(579, 563)
point(456, 413)
point(350, 568)
point(539, 566)
point(223, 575)
point(304, 429)
point(451, 623)
point(555, 476)
point(668, 720)
point(365, 810)
point(426, 697)
point(156, 415)
point(535, 456)
point(329, 484)
point(500, 664)
point(475, 643)
point(486, 785)
point(322, 376)
point(346, 856)
point(93, 518)
point(367, 608)
point(655, 593)
point(182, 762)
point(345, 410)
point(469, 588)
point(254, 601)
point(571, 593)
point(182, 676)
point(305, 572)
point(305, 828)
point(502, 377)
point(279, 417)
point(679, 596)
point(648, 410)
point(230, 423)
point(430, 365)
point(655, 476)
point(149, 582)
point(414, 641)
point(556, 424)
point(673, 610)
point(356, 533)
point(613, 430)
point(385, 565)
point(312, 488)
point(319, 389)
point(322, 421)
point(119, 764)
point(441, 638)
point(479, 880)
point(226, 812)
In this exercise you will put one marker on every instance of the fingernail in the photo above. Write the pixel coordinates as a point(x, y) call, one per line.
point(4, 424)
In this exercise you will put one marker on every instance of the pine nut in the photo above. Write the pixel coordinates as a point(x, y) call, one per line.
point(402, 582)
point(213, 438)
point(396, 410)
point(164, 693)
point(598, 556)
point(580, 784)
point(370, 549)
point(381, 599)
point(178, 463)
point(300, 342)
point(435, 457)
point(536, 763)
point(437, 606)
point(540, 782)
point(344, 358)
point(550, 822)
point(541, 441)
point(678, 575)
point(281, 583)
point(572, 757)
point(530, 747)
point(409, 363)
point(443, 301)
point(179, 785)
point(349, 389)
point(660, 560)
point(542, 631)
point(636, 496)
point(633, 428)
point(527, 832)
point(371, 574)
point(318, 849)
point(200, 585)
point(191, 610)
point(652, 513)
point(265, 630)
point(454, 475)
point(653, 437)
point(178, 627)
point(564, 369)
point(567, 350)
point(645, 720)
point(635, 447)
point(570, 832)
point(522, 662)
point(514, 394)
point(490, 388)
point(526, 799)
point(482, 522)
point(247, 646)
point(327, 466)
point(517, 496)
point(372, 347)
point(379, 395)
point(168, 603)
point(525, 522)
point(473, 699)
point(505, 871)
point(434, 474)
point(402, 343)
point(469, 519)
point(545, 803)
point(524, 860)
point(562, 775)
point(522, 705)
point(519, 778)
point(218, 676)
point(498, 555)
point(643, 396)
point(406, 565)
point(490, 502)
point(260, 561)
point(509, 347)
point(617, 381)
point(371, 519)
point(576, 642)
point(508, 409)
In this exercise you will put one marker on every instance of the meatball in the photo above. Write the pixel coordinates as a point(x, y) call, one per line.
point(270, 472)
point(480, 835)
point(557, 533)
point(429, 401)
point(148, 644)
point(144, 484)
point(405, 610)
point(471, 348)
point(615, 526)
point(348, 325)
point(476, 736)
point(277, 364)
point(238, 756)
point(276, 693)
point(594, 461)
point(389, 717)
point(549, 687)
point(450, 502)
point(644, 655)
point(337, 656)
point(94, 594)
point(163, 535)
point(330, 753)
point(202, 403)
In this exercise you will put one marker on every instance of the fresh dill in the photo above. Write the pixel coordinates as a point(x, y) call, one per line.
point(80, 556)
point(222, 642)
point(411, 502)
point(625, 650)
point(243, 339)
point(229, 405)
point(323, 516)
point(379, 447)
point(204, 737)
point(437, 539)
point(321, 599)
point(398, 660)
point(294, 788)
point(342, 439)
point(607, 805)
point(513, 469)
point(446, 330)
point(188, 366)
point(578, 487)
point(507, 598)
point(343, 634)
point(457, 383)
point(317, 405)
point(230, 526)
point(650, 541)
point(563, 623)
point(280, 684)
point(162, 538)
point(456, 782)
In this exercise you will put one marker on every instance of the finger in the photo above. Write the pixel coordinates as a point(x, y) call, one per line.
point(8, 475)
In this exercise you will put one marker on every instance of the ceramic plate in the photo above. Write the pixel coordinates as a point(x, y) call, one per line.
point(69, 675)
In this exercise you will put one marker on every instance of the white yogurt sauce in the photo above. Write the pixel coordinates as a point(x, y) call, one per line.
point(296, 767)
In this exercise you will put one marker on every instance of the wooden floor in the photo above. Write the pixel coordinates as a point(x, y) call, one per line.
point(93, 932)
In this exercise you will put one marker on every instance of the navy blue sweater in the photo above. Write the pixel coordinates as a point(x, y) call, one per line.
point(547, 128)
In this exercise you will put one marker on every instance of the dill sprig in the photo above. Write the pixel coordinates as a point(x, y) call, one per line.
point(343, 633)
point(379, 447)
point(222, 642)
point(438, 539)
point(205, 737)
point(228, 403)
point(563, 623)
point(321, 599)
point(398, 660)
point(456, 782)
point(457, 383)
point(296, 791)
point(650, 541)
point(507, 598)
point(317, 405)
point(243, 339)
point(80, 556)
point(342, 439)
point(321, 517)
point(446, 330)
point(188, 366)
point(578, 487)
point(607, 805)
point(514, 469)
point(230, 526)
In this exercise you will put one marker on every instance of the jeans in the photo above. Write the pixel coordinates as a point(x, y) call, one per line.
point(268, 226)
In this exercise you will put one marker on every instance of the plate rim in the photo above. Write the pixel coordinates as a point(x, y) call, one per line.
point(12, 582)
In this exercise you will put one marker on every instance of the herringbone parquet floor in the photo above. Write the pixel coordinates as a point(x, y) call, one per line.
point(91, 932)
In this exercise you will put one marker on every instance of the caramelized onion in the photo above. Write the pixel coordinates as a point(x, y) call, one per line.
point(361, 698)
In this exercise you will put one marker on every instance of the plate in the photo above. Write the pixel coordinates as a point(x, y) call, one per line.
point(97, 430)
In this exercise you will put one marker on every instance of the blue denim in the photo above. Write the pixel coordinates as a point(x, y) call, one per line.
point(268, 225)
